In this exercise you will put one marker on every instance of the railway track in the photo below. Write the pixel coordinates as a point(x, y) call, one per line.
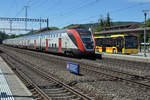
point(127, 78)
point(133, 80)
point(50, 88)
point(91, 67)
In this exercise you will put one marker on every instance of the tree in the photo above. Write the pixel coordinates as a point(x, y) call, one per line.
point(148, 34)
point(108, 22)
point(74, 26)
point(101, 21)
point(12, 36)
point(141, 36)
point(3, 36)
point(98, 28)
point(148, 23)
point(54, 28)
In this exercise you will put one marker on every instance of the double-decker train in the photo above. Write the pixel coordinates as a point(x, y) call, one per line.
point(68, 41)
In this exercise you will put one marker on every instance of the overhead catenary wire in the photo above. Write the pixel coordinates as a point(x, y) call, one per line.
point(115, 11)
point(59, 9)
point(79, 7)
point(71, 11)
point(38, 3)
point(29, 1)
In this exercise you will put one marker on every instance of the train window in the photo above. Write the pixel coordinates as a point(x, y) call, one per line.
point(60, 34)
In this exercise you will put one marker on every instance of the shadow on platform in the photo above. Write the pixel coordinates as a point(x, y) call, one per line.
point(4, 95)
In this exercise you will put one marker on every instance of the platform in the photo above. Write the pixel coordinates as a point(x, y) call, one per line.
point(133, 57)
point(11, 87)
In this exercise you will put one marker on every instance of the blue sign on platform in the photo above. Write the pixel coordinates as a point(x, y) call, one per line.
point(73, 67)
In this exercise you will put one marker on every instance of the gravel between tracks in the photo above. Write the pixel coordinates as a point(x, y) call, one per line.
point(104, 89)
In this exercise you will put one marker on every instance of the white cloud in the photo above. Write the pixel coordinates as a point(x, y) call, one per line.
point(141, 1)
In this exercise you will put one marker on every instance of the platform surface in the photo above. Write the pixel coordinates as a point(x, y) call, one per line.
point(132, 57)
point(11, 87)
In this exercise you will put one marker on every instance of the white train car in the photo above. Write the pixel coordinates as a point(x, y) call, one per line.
point(68, 41)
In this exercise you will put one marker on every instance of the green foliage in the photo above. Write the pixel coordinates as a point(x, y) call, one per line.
point(74, 26)
point(141, 36)
point(15, 36)
point(98, 28)
point(3, 36)
point(148, 23)
point(12, 36)
point(108, 22)
point(148, 40)
point(126, 22)
point(102, 23)
point(54, 28)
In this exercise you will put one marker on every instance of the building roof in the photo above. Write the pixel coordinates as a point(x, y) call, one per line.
point(118, 27)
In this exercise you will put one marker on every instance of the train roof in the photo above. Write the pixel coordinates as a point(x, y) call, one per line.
point(48, 32)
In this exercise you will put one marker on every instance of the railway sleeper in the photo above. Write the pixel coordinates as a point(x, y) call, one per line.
point(40, 98)
point(51, 86)
point(70, 97)
point(60, 94)
point(37, 95)
point(138, 77)
point(55, 92)
point(53, 89)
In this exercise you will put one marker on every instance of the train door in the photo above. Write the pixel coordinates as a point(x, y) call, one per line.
point(28, 45)
point(34, 44)
point(46, 44)
point(22, 44)
point(59, 45)
point(103, 49)
point(66, 42)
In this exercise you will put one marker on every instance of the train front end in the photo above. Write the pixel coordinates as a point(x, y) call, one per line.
point(85, 41)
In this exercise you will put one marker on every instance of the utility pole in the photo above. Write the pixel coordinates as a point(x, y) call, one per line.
point(47, 23)
point(40, 23)
point(145, 14)
point(26, 16)
point(3, 30)
point(91, 28)
point(10, 25)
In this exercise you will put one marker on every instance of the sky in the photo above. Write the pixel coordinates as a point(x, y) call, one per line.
point(64, 12)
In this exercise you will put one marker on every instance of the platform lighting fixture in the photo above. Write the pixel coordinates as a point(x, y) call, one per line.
point(145, 14)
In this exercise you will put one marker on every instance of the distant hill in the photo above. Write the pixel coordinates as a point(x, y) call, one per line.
point(86, 26)
point(123, 23)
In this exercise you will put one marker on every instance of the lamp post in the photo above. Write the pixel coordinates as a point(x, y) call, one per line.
point(145, 14)
point(91, 28)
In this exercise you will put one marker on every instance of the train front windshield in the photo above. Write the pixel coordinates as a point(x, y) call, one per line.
point(131, 42)
point(87, 39)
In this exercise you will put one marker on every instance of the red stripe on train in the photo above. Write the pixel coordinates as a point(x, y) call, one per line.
point(34, 44)
point(46, 45)
point(59, 47)
point(78, 39)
